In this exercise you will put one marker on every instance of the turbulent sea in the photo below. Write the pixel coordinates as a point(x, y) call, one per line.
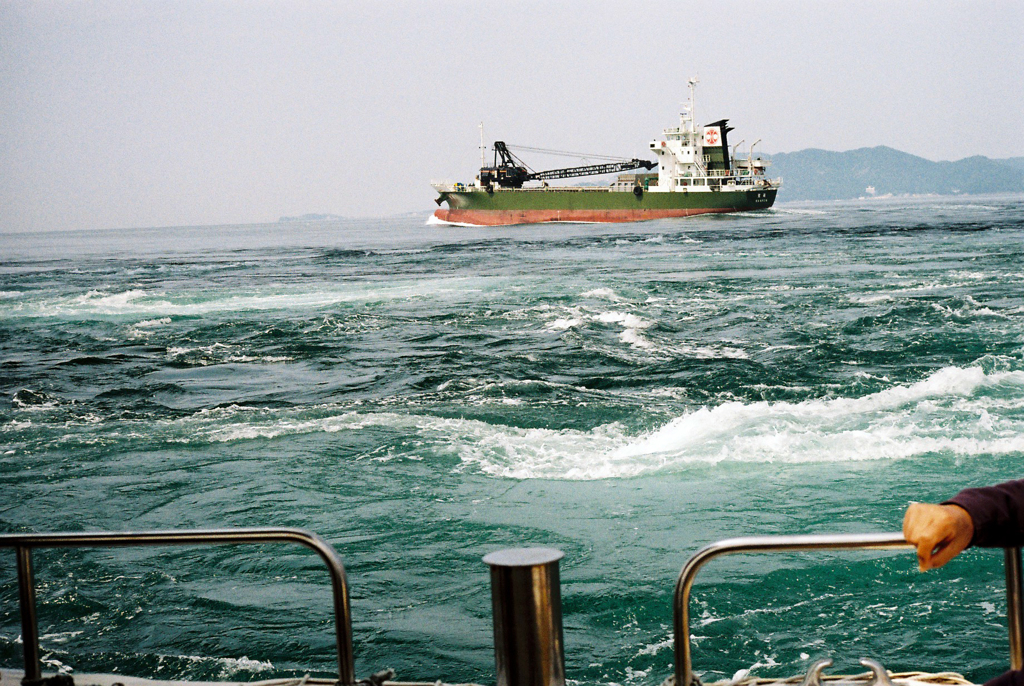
point(422, 395)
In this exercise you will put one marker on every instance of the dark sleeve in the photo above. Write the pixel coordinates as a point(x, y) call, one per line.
point(1007, 679)
point(998, 514)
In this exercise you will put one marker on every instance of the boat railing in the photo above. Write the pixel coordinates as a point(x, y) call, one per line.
point(684, 675)
point(23, 545)
point(737, 174)
point(560, 189)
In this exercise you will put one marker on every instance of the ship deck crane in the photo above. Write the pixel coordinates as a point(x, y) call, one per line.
point(509, 171)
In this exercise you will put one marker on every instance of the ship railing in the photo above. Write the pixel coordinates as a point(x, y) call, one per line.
point(684, 675)
point(730, 173)
point(727, 178)
point(23, 545)
point(450, 187)
point(537, 189)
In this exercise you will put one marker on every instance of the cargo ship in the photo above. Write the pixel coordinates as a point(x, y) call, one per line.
point(697, 173)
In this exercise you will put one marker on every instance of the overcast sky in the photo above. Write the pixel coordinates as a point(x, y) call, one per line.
point(138, 113)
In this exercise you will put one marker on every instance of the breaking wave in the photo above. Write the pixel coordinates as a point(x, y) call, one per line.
point(155, 307)
point(955, 411)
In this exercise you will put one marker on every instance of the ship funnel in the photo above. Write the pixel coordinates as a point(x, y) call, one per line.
point(716, 144)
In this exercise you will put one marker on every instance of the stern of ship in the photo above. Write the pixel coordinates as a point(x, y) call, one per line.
point(761, 197)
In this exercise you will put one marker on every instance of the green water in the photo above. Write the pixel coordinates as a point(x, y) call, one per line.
point(423, 395)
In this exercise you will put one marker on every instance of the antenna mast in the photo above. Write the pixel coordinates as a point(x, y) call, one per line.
point(693, 106)
point(483, 148)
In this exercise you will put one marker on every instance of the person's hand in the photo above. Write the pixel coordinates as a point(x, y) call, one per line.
point(940, 532)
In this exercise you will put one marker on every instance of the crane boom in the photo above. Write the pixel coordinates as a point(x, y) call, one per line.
point(511, 172)
point(593, 169)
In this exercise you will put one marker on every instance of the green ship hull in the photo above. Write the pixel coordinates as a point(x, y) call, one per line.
point(536, 205)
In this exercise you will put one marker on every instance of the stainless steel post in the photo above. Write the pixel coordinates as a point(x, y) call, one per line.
point(1015, 607)
point(527, 599)
point(29, 625)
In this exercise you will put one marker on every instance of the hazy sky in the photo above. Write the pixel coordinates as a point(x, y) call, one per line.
point(146, 113)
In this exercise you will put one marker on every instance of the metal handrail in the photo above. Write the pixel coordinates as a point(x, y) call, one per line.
point(764, 544)
point(24, 543)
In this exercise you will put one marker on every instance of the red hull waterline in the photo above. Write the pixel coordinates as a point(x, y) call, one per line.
point(505, 217)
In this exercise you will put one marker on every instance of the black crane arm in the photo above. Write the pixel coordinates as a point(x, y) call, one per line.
point(511, 172)
point(593, 169)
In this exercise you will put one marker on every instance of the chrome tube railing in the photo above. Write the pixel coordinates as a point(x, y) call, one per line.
point(1014, 607)
point(24, 543)
point(766, 544)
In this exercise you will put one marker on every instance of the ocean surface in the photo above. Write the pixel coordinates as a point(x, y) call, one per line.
point(422, 395)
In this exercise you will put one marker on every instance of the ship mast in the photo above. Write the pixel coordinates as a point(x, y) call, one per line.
point(483, 148)
point(693, 111)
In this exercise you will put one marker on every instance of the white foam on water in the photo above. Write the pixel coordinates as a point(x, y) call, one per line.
point(967, 206)
point(606, 293)
point(956, 411)
point(248, 425)
point(145, 328)
point(655, 648)
point(54, 663)
point(705, 352)
point(970, 308)
point(794, 210)
point(902, 421)
point(870, 299)
point(564, 324)
point(61, 637)
point(229, 666)
point(945, 413)
point(631, 337)
point(153, 322)
point(629, 321)
point(220, 353)
point(109, 303)
point(156, 306)
point(632, 325)
point(437, 221)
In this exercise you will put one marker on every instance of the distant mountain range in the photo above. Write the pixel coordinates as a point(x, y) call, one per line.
point(824, 175)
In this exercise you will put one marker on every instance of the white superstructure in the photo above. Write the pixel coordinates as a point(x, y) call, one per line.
point(697, 158)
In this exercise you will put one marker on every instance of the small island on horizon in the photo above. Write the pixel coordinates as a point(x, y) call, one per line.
point(312, 218)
